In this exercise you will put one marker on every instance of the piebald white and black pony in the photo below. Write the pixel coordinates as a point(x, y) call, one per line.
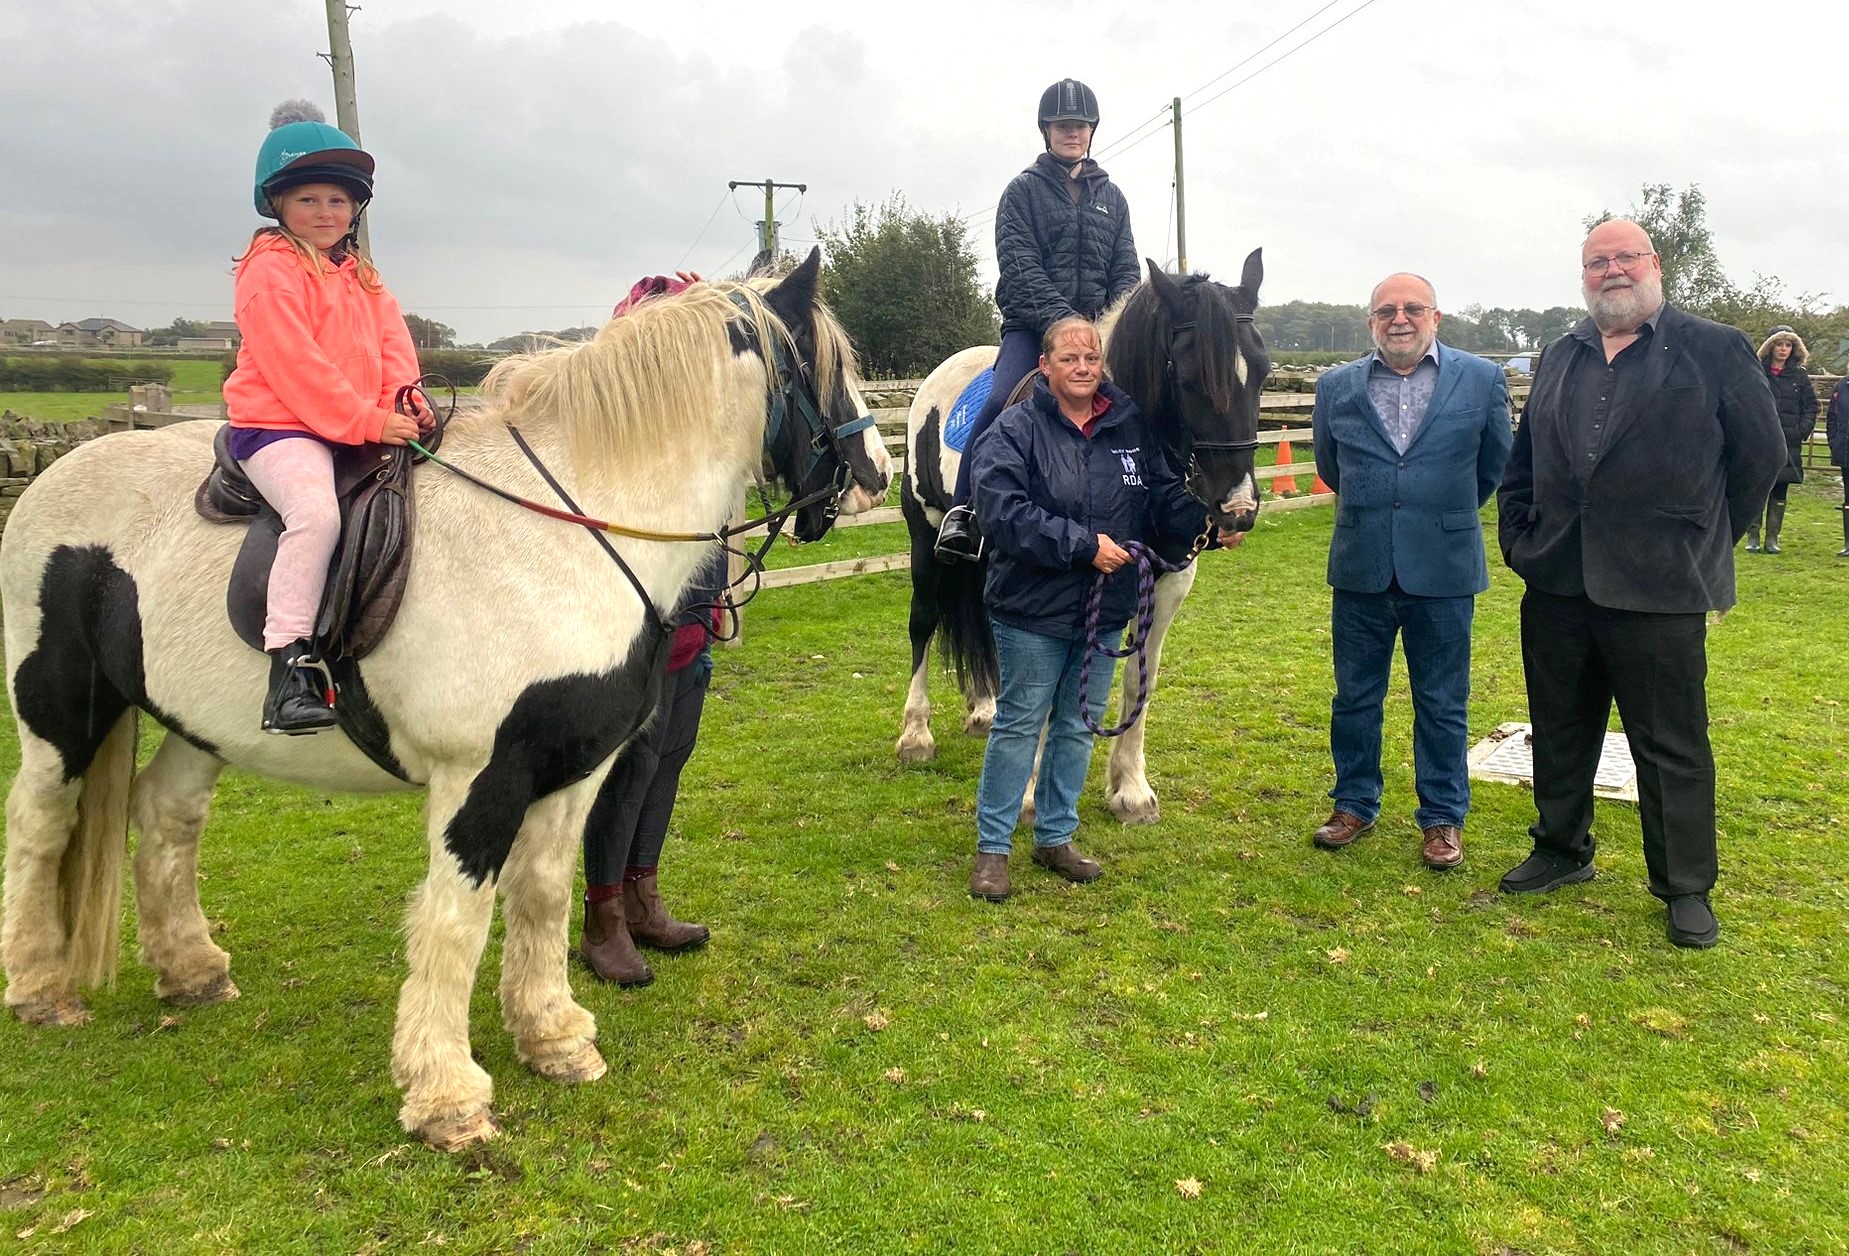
point(520, 660)
point(1187, 351)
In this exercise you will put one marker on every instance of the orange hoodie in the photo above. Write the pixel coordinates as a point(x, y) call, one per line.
point(320, 353)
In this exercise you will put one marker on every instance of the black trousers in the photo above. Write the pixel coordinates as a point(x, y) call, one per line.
point(629, 821)
point(1578, 657)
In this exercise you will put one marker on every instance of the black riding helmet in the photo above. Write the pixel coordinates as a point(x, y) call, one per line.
point(1067, 101)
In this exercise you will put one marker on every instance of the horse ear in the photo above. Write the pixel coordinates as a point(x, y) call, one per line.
point(1254, 273)
point(795, 296)
point(1166, 288)
point(761, 265)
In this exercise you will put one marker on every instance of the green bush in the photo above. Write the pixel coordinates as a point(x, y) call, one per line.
point(46, 373)
point(463, 367)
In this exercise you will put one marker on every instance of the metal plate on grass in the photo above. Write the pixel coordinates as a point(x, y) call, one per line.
point(1507, 755)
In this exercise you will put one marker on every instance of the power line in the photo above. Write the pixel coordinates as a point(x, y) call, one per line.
point(709, 222)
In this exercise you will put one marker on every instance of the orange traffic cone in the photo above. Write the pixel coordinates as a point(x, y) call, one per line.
point(1283, 485)
point(1317, 486)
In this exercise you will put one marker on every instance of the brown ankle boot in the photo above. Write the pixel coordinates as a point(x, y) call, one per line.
point(607, 947)
point(651, 925)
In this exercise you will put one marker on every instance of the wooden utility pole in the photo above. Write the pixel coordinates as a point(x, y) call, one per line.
point(346, 103)
point(1181, 199)
point(767, 230)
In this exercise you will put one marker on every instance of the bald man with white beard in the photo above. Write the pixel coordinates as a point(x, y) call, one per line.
point(1646, 449)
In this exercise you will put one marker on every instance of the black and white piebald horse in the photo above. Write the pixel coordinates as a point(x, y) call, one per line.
point(1187, 351)
point(520, 660)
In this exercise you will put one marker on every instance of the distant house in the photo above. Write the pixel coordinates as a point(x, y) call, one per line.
point(215, 344)
point(26, 331)
point(93, 333)
point(225, 330)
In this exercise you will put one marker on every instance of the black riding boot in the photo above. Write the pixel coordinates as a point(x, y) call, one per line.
point(1844, 551)
point(1775, 520)
point(1752, 536)
point(301, 692)
point(958, 539)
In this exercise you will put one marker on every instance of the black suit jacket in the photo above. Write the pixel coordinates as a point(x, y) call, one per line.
point(1652, 525)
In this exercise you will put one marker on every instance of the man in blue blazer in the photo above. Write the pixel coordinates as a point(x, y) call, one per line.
point(1413, 439)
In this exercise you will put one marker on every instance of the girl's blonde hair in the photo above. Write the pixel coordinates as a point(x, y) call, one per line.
point(311, 256)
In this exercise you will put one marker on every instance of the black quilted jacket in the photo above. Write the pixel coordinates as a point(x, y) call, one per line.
point(1058, 257)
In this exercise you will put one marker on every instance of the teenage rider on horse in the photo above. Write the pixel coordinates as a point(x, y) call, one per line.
point(1062, 241)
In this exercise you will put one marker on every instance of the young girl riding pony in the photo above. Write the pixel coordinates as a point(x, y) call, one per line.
point(324, 350)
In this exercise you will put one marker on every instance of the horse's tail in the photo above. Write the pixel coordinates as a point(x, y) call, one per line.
point(90, 877)
point(965, 639)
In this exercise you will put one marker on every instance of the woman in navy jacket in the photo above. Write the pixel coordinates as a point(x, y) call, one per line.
point(1063, 481)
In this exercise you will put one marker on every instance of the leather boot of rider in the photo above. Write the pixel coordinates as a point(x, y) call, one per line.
point(299, 698)
point(607, 947)
point(649, 921)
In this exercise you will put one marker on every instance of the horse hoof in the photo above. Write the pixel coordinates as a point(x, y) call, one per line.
point(978, 725)
point(1135, 810)
point(219, 989)
point(917, 750)
point(586, 1064)
point(456, 1133)
point(65, 1012)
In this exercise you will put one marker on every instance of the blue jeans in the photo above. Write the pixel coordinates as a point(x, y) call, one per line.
point(1039, 688)
point(1019, 354)
point(1436, 636)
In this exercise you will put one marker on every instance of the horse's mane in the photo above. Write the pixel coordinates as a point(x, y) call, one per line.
point(649, 372)
point(1137, 335)
point(834, 349)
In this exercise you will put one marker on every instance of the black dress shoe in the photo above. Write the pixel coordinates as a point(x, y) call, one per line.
point(958, 538)
point(1545, 870)
point(1692, 923)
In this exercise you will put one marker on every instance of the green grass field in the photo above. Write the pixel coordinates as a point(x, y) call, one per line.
point(194, 383)
point(1232, 1043)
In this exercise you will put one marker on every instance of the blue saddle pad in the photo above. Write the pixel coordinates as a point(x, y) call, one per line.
point(956, 424)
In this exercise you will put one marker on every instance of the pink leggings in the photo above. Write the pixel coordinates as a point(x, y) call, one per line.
point(296, 477)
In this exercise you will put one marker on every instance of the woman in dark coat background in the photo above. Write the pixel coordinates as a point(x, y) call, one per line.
point(1837, 429)
point(1783, 355)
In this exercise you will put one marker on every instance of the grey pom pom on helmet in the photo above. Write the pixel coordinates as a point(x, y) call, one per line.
point(297, 110)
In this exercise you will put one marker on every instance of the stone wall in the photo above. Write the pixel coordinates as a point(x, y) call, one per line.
point(28, 446)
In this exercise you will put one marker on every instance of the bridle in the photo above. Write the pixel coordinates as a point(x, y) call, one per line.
point(792, 393)
point(1172, 394)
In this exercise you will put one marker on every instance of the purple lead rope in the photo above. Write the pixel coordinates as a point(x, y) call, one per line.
point(1147, 562)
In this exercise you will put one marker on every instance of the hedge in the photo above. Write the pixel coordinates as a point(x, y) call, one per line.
point(59, 374)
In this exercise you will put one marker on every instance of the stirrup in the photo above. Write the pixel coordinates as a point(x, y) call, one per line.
point(958, 538)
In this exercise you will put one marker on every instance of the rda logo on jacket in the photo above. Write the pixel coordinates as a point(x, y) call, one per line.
point(1132, 476)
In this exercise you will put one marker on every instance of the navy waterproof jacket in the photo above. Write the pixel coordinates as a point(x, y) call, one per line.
point(1057, 256)
point(1043, 491)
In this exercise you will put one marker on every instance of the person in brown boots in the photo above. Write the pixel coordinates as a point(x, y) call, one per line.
point(628, 823)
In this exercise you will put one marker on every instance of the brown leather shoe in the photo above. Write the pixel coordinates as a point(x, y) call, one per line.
point(1340, 829)
point(607, 947)
point(1068, 863)
point(1444, 847)
point(990, 878)
point(651, 925)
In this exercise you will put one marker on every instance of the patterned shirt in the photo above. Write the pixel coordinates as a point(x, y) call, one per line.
point(1402, 399)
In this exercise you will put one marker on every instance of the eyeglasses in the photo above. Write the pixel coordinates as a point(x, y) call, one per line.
point(1387, 313)
point(1623, 261)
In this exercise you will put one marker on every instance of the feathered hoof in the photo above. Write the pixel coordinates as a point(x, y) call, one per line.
point(917, 749)
point(1134, 807)
point(220, 989)
point(456, 1133)
point(67, 1011)
point(586, 1064)
point(978, 723)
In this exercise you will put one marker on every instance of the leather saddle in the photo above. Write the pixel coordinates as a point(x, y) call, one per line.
point(366, 578)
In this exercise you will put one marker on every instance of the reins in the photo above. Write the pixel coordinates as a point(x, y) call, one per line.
point(792, 392)
point(1148, 562)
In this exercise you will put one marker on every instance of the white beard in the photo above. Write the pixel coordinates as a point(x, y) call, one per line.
point(1625, 308)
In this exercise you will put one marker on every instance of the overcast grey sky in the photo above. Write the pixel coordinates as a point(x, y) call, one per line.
point(535, 158)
